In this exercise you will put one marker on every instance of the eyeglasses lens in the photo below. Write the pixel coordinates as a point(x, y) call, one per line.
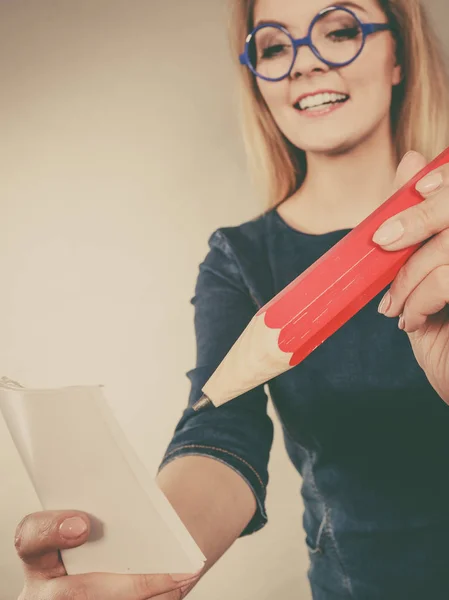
point(336, 36)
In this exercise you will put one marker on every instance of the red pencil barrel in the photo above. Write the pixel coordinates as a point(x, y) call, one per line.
point(342, 281)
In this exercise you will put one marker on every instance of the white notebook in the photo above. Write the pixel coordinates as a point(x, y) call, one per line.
point(77, 457)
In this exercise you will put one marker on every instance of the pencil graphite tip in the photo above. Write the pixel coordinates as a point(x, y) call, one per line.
point(203, 403)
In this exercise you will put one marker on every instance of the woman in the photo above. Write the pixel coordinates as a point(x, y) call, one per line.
point(364, 416)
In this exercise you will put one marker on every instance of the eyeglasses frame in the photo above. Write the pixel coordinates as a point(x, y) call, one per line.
point(366, 29)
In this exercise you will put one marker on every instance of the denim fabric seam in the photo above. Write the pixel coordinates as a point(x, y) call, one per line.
point(204, 447)
point(285, 427)
point(328, 528)
point(333, 541)
point(319, 535)
point(230, 252)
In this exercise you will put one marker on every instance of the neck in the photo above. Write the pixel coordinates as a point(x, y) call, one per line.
point(341, 190)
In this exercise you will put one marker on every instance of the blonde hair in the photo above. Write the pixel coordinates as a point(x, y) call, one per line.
point(419, 109)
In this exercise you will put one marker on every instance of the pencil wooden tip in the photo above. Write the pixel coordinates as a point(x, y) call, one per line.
point(203, 403)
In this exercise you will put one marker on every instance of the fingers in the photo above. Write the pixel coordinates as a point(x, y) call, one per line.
point(429, 257)
point(420, 222)
point(40, 535)
point(410, 165)
point(105, 586)
point(429, 298)
point(421, 288)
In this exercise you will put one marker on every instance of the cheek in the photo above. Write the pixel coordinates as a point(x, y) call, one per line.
point(275, 94)
point(377, 66)
point(371, 79)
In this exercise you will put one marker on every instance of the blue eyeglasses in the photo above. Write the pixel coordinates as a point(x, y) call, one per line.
point(336, 36)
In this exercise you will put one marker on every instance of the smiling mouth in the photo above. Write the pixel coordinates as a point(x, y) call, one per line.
point(320, 101)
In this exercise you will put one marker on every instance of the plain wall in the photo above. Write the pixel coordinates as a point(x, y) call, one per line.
point(120, 154)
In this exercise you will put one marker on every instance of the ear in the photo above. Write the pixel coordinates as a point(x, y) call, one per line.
point(397, 75)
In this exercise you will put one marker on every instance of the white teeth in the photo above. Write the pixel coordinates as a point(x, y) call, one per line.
point(319, 99)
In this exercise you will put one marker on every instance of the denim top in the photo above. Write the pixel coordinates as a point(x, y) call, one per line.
point(361, 423)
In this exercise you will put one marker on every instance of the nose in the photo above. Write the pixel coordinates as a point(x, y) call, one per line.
point(307, 63)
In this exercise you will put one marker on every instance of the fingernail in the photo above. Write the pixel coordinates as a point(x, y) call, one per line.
point(401, 323)
point(72, 528)
point(385, 303)
point(430, 183)
point(179, 577)
point(389, 233)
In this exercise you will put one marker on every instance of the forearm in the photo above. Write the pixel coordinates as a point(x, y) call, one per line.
point(213, 501)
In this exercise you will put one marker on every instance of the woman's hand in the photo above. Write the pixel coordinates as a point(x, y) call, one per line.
point(420, 292)
point(40, 536)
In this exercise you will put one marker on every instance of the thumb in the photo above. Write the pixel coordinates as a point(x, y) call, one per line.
point(410, 165)
point(40, 536)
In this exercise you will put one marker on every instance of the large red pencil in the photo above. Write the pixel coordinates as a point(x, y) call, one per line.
point(317, 303)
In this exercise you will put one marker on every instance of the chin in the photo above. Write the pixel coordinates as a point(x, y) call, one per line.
point(338, 139)
point(337, 142)
point(329, 147)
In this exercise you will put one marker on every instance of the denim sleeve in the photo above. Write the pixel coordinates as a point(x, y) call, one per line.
point(239, 433)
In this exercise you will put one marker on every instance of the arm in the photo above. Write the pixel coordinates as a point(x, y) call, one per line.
point(214, 471)
point(213, 501)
